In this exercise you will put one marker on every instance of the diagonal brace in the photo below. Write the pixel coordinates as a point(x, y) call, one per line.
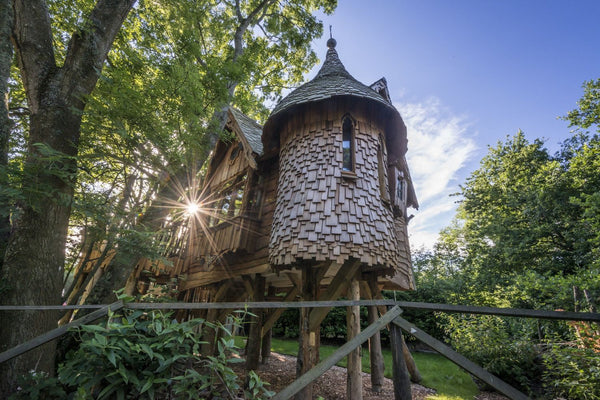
point(460, 360)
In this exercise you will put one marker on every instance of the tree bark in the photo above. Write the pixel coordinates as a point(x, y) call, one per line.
point(6, 56)
point(34, 258)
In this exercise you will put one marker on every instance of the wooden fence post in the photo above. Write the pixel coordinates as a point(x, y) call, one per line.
point(402, 387)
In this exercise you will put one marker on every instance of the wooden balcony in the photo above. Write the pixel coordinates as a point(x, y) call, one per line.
point(238, 233)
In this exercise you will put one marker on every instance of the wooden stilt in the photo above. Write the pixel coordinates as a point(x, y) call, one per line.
point(376, 356)
point(402, 388)
point(266, 347)
point(354, 379)
point(415, 375)
point(209, 334)
point(254, 342)
point(265, 350)
point(308, 349)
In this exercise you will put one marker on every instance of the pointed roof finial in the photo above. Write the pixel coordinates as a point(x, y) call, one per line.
point(331, 42)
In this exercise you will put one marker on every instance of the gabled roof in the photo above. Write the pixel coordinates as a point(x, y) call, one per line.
point(250, 128)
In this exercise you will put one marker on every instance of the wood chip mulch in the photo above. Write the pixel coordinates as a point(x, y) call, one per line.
point(280, 371)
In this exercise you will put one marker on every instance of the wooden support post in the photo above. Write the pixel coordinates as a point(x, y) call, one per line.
point(209, 334)
point(308, 349)
point(340, 353)
point(376, 356)
point(371, 289)
point(354, 378)
point(402, 388)
point(265, 350)
point(254, 342)
point(415, 375)
point(266, 347)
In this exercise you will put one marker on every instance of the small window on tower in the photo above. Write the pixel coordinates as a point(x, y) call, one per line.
point(348, 145)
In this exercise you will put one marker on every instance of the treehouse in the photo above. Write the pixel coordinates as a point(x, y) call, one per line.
point(311, 206)
point(324, 182)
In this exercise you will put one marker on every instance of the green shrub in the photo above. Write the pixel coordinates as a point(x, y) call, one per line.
point(147, 355)
point(38, 385)
point(572, 372)
point(503, 346)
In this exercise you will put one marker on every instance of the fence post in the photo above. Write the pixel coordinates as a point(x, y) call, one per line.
point(402, 386)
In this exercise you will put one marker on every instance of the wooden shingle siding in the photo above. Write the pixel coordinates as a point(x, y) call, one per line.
point(321, 214)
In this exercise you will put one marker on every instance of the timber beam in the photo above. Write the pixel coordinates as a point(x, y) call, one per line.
point(337, 287)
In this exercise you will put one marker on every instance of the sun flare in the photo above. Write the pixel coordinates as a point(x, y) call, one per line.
point(192, 208)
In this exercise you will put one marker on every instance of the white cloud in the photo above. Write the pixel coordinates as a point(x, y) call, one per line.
point(439, 147)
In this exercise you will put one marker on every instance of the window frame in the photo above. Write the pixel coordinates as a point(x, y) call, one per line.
point(349, 171)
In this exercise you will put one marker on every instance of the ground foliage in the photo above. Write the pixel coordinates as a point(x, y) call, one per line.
point(145, 355)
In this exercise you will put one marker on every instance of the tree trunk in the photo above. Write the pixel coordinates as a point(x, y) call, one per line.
point(6, 56)
point(34, 258)
point(33, 263)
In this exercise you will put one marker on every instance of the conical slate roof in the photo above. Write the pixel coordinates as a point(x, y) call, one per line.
point(332, 80)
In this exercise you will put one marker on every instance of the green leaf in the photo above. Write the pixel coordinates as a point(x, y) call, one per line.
point(111, 357)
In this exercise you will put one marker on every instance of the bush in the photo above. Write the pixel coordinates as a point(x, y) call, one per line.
point(148, 355)
point(572, 372)
point(503, 346)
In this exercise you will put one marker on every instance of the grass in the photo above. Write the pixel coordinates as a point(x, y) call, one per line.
point(450, 382)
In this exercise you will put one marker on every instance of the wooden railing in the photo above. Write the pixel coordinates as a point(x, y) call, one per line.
point(391, 319)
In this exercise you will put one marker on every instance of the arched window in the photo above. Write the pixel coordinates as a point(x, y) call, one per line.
point(348, 144)
point(381, 157)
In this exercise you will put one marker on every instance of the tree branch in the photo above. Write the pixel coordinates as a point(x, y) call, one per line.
point(89, 48)
point(32, 38)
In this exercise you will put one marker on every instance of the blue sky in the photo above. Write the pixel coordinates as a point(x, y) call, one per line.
point(464, 74)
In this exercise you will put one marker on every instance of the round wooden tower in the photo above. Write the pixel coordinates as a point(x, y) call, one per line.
point(342, 194)
point(343, 183)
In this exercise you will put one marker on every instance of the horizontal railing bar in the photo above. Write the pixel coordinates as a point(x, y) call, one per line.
point(448, 308)
point(508, 312)
point(57, 332)
point(205, 306)
point(260, 304)
point(44, 308)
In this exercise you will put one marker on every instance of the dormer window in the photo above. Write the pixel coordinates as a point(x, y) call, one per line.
point(348, 144)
